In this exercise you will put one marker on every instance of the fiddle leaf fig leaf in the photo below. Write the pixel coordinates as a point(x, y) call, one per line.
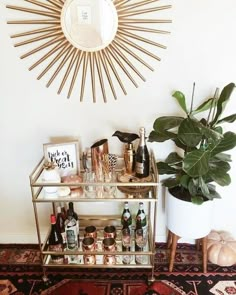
point(213, 193)
point(204, 106)
point(166, 123)
point(192, 187)
point(223, 99)
point(220, 177)
point(222, 157)
point(160, 136)
point(164, 168)
point(180, 97)
point(189, 133)
point(220, 165)
point(229, 119)
point(173, 158)
point(196, 163)
point(171, 182)
point(197, 200)
point(227, 143)
point(184, 181)
point(203, 186)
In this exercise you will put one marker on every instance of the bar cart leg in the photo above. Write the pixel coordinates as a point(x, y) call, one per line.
point(39, 241)
point(45, 277)
point(152, 279)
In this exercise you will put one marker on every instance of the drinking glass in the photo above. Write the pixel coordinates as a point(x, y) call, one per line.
point(141, 241)
point(126, 242)
point(109, 190)
point(90, 179)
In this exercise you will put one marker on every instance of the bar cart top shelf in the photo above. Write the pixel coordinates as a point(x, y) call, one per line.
point(123, 187)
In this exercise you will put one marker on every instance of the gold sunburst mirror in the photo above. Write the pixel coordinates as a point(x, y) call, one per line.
point(97, 36)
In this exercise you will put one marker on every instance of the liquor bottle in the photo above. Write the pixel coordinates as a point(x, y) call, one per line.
point(55, 242)
point(71, 232)
point(72, 212)
point(60, 223)
point(63, 210)
point(71, 208)
point(141, 216)
point(142, 157)
point(71, 237)
point(126, 216)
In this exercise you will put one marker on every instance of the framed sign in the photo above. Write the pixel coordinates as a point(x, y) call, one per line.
point(65, 155)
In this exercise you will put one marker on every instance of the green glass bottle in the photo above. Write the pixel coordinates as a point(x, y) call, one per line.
point(126, 216)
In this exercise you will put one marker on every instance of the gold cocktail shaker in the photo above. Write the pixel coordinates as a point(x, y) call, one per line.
point(129, 158)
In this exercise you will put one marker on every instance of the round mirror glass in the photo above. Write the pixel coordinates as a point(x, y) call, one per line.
point(89, 25)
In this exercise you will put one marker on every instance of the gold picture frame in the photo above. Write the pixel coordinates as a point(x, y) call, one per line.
point(107, 63)
point(65, 155)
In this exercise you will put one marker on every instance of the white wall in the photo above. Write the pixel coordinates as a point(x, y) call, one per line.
point(201, 48)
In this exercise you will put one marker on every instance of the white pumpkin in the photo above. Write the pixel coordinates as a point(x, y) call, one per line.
point(221, 248)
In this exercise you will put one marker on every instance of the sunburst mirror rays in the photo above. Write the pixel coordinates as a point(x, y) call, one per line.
point(102, 37)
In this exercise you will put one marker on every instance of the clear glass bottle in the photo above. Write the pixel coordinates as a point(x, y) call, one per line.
point(142, 161)
point(55, 242)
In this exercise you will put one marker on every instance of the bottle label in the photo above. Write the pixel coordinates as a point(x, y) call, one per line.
point(139, 168)
point(127, 217)
point(58, 259)
point(71, 237)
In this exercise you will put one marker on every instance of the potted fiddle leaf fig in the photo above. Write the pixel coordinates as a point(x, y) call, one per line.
point(199, 161)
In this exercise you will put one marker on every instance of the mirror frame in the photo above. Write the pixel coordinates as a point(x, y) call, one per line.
point(99, 47)
point(104, 64)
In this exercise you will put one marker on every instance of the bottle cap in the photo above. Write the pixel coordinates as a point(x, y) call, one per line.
point(53, 219)
point(142, 130)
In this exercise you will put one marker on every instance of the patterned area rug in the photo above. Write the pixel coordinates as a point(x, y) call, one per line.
point(21, 274)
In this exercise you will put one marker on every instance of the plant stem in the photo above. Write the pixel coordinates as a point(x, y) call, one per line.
point(215, 101)
point(191, 108)
point(212, 107)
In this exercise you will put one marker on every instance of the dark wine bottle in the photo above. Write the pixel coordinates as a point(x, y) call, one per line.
point(63, 210)
point(55, 242)
point(142, 164)
point(60, 222)
point(71, 208)
point(71, 212)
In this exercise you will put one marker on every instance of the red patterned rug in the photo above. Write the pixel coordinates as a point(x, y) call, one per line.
point(21, 274)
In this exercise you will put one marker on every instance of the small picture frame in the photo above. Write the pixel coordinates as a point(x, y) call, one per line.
point(65, 155)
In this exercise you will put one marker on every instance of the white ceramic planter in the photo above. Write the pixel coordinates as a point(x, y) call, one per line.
point(188, 220)
point(51, 176)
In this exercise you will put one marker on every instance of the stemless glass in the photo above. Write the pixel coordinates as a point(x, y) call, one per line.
point(141, 241)
point(109, 190)
point(90, 189)
point(126, 243)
